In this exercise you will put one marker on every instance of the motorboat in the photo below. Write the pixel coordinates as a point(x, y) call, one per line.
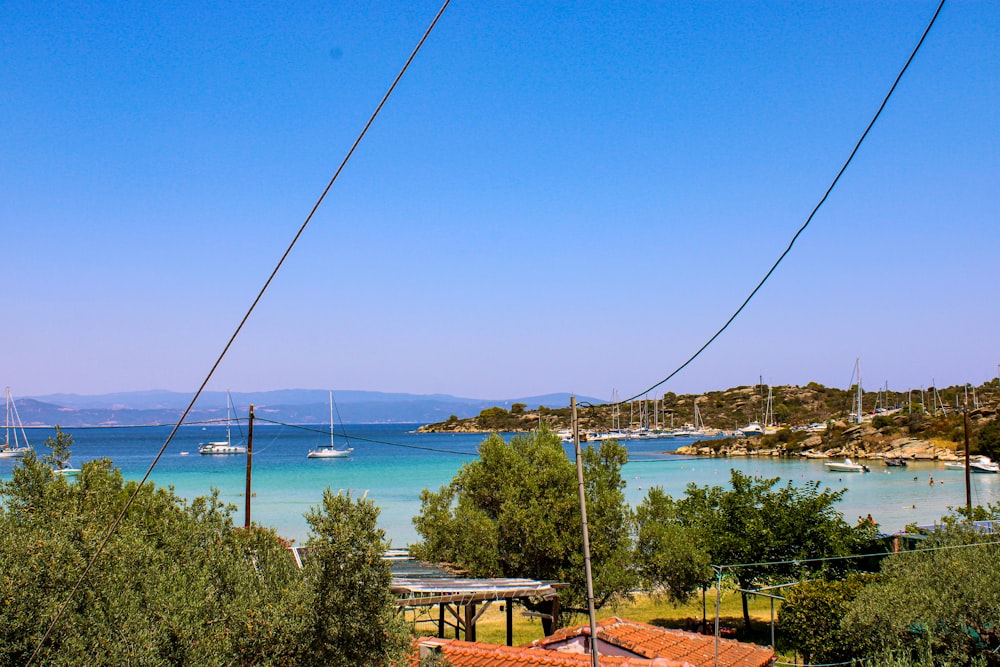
point(984, 465)
point(980, 464)
point(847, 465)
point(895, 462)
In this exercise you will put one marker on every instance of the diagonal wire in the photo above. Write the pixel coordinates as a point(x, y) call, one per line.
point(232, 339)
point(840, 173)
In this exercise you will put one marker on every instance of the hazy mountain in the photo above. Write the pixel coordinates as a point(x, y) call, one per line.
point(294, 406)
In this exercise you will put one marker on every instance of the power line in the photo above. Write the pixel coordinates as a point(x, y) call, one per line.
point(371, 440)
point(232, 339)
point(822, 200)
point(801, 561)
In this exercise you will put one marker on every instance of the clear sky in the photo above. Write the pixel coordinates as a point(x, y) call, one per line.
point(560, 196)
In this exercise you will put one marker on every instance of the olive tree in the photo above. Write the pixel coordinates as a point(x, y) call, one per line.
point(177, 583)
point(762, 530)
point(514, 512)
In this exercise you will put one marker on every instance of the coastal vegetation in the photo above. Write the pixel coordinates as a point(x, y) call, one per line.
point(927, 423)
point(178, 584)
point(513, 513)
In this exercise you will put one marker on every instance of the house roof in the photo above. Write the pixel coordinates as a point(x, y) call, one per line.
point(650, 641)
point(473, 654)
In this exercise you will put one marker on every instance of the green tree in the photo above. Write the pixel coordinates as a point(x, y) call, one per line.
point(352, 616)
point(943, 603)
point(177, 583)
point(669, 560)
point(988, 439)
point(756, 523)
point(810, 618)
point(515, 512)
point(60, 445)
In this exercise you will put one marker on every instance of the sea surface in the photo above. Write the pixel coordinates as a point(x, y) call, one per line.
point(392, 464)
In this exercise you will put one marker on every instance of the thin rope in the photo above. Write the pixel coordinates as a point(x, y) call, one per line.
point(232, 339)
point(857, 146)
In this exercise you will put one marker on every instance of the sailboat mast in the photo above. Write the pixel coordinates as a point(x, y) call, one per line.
point(331, 418)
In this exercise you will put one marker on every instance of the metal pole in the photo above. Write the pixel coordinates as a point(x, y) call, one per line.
point(718, 602)
point(246, 522)
point(968, 479)
point(586, 535)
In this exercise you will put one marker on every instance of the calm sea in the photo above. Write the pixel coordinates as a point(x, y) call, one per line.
point(392, 465)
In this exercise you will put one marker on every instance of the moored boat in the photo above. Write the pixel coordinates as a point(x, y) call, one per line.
point(10, 450)
point(330, 451)
point(223, 446)
point(847, 465)
point(984, 465)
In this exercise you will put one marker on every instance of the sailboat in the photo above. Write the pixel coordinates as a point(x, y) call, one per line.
point(223, 446)
point(15, 450)
point(329, 451)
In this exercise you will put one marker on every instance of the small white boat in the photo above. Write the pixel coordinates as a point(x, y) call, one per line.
point(223, 446)
point(326, 452)
point(980, 464)
point(847, 465)
point(68, 472)
point(984, 465)
point(329, 451)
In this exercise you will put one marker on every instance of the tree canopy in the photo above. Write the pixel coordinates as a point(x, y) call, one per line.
point(763, 531)
point(514, 512)
point(177, 583)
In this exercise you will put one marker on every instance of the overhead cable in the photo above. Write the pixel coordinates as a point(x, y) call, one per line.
point(114, 526)
point(763, 280)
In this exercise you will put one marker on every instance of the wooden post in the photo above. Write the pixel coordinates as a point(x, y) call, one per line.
point(510, 622)
point(470, 622)
point(441, 620)
point(246, 522)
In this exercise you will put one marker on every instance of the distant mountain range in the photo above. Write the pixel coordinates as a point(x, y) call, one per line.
point(292, 406)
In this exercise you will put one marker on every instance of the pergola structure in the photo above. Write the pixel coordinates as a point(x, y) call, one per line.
point(461, 602)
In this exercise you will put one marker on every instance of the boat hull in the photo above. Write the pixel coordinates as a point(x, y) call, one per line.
point(329, 453)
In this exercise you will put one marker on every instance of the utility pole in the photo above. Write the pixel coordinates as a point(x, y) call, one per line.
point(246, 522)
point(586, 536)
point(968, 480)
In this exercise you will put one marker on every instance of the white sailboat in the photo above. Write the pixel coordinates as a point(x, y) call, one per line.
point(329, 451)
point(223, 446)
point(15, 450)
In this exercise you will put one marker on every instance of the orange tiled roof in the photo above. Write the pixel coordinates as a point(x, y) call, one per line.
point(473, 654)
point(650, 641)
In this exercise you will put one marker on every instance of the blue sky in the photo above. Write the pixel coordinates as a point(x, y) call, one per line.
point(558, 197)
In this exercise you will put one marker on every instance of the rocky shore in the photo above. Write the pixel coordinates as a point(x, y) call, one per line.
point(859, 442)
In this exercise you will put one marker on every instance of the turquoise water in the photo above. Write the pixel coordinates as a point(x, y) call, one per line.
point(392, 465)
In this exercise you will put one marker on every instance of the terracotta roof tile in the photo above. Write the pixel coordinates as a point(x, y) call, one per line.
point(650, 641)
point(473, 654)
